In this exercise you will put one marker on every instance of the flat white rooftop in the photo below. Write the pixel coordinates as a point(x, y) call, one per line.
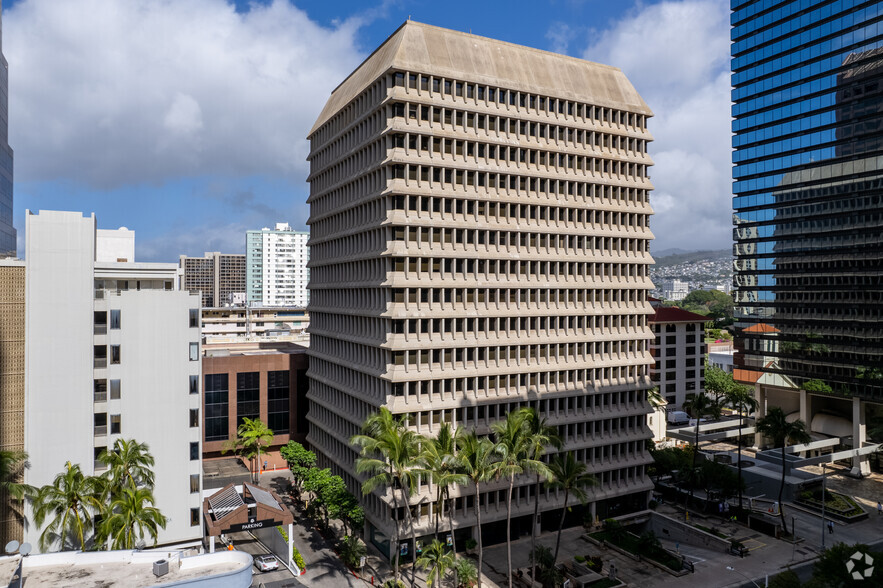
point(133, 569)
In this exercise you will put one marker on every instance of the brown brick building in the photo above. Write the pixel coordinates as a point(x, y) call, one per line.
point(255, 380)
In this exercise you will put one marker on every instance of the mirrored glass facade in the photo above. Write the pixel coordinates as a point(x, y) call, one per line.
point(7, 232)
point(808, 201)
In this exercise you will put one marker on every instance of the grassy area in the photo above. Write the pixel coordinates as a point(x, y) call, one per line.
point(631, 543)
point(837, 503)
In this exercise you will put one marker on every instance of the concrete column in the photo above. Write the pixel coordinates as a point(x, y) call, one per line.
point(760, 395)
point(593, 510)
point(860, 466)
point(804, 413)
point(211, 543)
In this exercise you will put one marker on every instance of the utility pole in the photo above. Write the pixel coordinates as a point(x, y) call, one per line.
point(824, 500)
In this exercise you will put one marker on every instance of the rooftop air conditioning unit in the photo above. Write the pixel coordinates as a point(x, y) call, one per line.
point(160, 567)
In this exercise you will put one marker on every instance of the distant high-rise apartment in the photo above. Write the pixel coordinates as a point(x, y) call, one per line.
point(218, 276)
point(479, 243)
point(7, 232)
point(276, 266)
point(112, 352)
point(808, 199)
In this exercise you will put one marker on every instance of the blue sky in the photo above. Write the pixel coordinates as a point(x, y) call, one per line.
point(185, 120)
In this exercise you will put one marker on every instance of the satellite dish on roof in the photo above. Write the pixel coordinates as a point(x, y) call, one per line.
point(12, 546)
point(25, 548)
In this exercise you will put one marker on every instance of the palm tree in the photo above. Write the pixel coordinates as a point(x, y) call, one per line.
point(569, 475)
point(478, 458)
point(11, 465)
point(516, 457)
point(129, 465)
point(698, 406)
point(251, 437)
point(437, 559)
point(131, 509)
point(741, 399)
point(389, 452)
point(71, 499)
point(438, 460)
point(541, 436)
point(776, 426)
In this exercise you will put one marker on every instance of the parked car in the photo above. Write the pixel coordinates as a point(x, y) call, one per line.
point(266, 563)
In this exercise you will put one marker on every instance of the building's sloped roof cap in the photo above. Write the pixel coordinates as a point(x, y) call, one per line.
point(672, 314)
point(761, 328)
point(419, 47)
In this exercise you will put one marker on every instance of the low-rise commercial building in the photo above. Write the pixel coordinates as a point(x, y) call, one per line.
point(256, 380)
point(243, 323)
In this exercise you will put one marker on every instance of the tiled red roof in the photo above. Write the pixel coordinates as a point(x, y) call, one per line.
point(672, 314)
point(651, 299)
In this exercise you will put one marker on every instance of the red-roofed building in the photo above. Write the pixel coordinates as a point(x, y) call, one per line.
point(679, 353)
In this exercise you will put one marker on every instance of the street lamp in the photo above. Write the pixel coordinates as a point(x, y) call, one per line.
point(732, 569)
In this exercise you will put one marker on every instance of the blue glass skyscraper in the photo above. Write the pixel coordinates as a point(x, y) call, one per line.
point(7, 232)
point(808, 206)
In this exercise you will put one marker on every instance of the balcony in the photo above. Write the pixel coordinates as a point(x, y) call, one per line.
point(100, 396)
point(100, 329)
point(100, 362)
point(100, 430)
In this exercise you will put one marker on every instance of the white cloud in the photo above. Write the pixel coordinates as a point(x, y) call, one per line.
point(111, 93)
point(676, 53)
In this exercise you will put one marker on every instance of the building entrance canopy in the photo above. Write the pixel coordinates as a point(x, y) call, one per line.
point(243, 508)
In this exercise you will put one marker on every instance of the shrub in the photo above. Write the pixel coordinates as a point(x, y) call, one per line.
point(652, 504)
point(579, 559)
point(471, 543)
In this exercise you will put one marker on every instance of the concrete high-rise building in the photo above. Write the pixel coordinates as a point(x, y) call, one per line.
point(218, 276)
point(808, 198)
point(675, 289)
point(7, 231)
point(112, 351)
point(276, 266)
point(12, 382)
point(479, 243)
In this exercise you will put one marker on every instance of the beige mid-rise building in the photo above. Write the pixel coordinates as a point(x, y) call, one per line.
point(12, 383)
point(479, 242)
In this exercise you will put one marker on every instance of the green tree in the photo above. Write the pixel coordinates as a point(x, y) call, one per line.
point(712, 303)
point(129, 465)
point(776, 426)
point(569, 475)
point(71, 500)
point(251, 438)
point(786, 579)
point(300, 460)
point(437, 560)
point(389, 454)
point(717, 382)
point(698, 406)
point(465, 572)
point(352, 549)
point(541, 435)
point(830, 569)
point(478, 457)
point(131, 513)
point(543, 562)
point(743, 401)
point(516, 451)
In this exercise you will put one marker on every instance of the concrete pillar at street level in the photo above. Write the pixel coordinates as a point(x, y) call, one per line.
point(860, 465)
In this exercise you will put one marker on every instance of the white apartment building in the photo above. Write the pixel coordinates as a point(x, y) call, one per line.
point(679, 353)
point(276, 266)
point(479, 241)
point(675, 290)
point(112, 351)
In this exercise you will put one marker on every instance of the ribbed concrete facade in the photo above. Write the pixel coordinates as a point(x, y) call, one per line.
point(479, 242)
point(12, 381)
